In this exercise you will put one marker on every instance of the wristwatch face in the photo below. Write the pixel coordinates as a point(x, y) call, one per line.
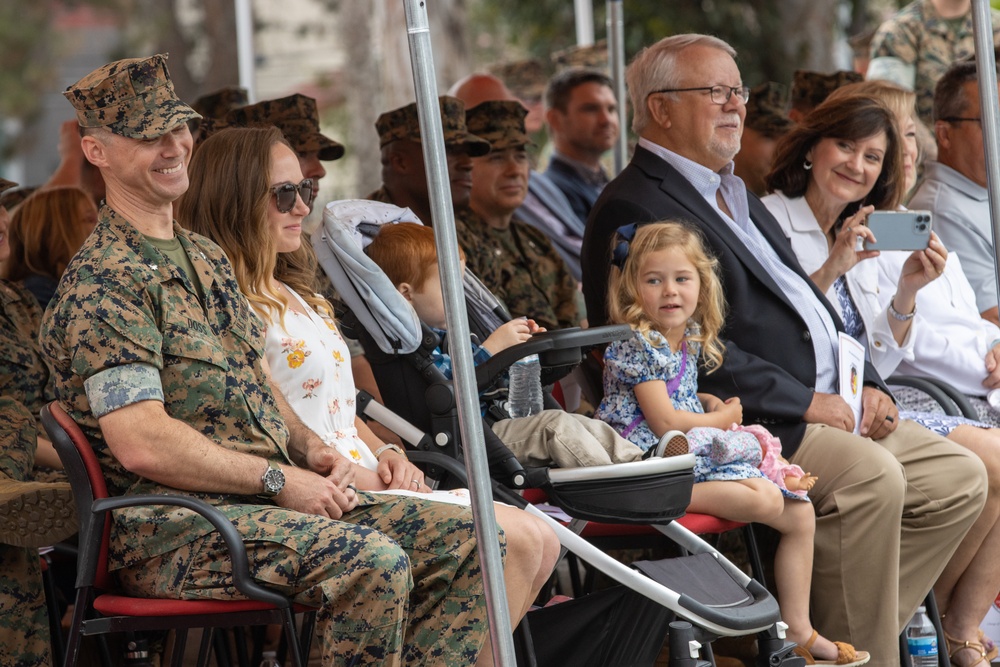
point(274, 481)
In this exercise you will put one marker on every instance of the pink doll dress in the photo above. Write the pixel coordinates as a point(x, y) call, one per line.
point(742, 452)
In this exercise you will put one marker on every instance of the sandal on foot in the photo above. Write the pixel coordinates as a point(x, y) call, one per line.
point(847, 656)
point(956, 645)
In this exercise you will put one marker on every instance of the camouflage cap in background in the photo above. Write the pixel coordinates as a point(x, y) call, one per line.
point(767, 110)
point(298, 119)
point(500, 122)
point(809, 89)
point(6, 185)
point(133, 98)
point(402, 123)
point(217, 104)
point(525, 78)
point(591, 56)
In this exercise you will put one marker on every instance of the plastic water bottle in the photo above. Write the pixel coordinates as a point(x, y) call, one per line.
point(524, 388)
point(921, 640)
point(270, 659)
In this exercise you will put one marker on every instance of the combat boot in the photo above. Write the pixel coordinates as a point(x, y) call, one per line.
point(35, 514)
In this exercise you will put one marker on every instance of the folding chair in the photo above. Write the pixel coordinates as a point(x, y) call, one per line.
point(100, 609)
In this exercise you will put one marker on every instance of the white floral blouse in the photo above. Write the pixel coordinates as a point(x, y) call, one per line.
point(311, 364)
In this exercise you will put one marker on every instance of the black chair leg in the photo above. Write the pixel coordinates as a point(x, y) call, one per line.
point(52, 607)
point(524, 647)
point(306, 634)
point(242, 657)
point(933, 613)
point(220, 644)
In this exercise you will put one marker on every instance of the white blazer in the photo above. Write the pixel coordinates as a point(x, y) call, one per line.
point(950, 339)
point(810, 246)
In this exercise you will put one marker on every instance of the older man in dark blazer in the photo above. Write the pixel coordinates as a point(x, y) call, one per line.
point(893, 504)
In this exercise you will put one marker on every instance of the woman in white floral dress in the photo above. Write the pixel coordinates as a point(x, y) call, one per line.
point(248, 195)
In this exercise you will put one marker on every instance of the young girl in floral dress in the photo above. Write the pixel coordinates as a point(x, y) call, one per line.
point(665, 285)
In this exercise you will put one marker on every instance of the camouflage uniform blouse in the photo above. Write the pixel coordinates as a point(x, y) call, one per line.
point(521, 267)
point(127, 326)
point(919, 37)
point(23, 374)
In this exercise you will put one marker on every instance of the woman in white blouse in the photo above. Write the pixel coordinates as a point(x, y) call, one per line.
point(851, 155)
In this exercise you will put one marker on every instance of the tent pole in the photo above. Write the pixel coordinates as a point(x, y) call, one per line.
point(583, 13)
point(616, 63)
point(986, 63)
point(244, 48)
point(466, 393)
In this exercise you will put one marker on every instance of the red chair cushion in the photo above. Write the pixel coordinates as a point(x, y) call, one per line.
point(706, 524)
point(111, 604)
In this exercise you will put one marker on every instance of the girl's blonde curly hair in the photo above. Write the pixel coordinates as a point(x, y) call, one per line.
point(625, 306)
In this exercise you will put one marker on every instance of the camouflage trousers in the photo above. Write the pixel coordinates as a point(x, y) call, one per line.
point(24, 621)
point(396, 582)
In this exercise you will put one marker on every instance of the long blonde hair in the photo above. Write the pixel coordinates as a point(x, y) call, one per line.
point(228, 202)
point(625, 305)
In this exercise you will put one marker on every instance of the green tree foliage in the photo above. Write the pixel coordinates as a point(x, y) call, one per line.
point(753, 27)
point(26, 56)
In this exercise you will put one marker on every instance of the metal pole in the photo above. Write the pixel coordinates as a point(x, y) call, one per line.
point(616, 63)
point(583, 11)
point(244, 48)
point(467, 395)
point(986, 66)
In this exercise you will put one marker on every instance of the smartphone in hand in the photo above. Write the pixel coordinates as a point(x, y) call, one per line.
point(899, 230)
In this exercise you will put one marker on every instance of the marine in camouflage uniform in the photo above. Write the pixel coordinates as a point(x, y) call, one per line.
point(515, 261)
point(916, 46)
point(399, 139)
point(24, 624)
point(397, 580)
point(32, 513)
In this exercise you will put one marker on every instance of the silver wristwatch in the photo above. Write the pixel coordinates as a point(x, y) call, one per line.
point(273, 480)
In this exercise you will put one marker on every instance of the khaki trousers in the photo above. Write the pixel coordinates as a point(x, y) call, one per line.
point(567, 439)
point(889, 515)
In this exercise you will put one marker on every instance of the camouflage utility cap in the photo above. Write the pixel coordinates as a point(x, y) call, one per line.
point(6, 185)
point(221, 102)
point(297, 118)
point(525, 78)
point(766, 110)
point(809, 89)
point(500, 122)
point(133, 97)
point(403, 123)
point(593, 56)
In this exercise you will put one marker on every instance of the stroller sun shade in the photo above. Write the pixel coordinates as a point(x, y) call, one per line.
point(348, 227)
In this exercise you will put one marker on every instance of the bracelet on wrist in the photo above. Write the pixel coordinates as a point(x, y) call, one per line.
point(896, 315)
point(385, 448)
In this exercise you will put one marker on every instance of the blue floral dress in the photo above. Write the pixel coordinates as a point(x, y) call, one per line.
point(719, 455)
point(634, 361)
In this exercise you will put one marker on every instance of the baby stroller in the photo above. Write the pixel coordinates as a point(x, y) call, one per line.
point(702, 596)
